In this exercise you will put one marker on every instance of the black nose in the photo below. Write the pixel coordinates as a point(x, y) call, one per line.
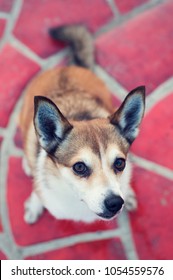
point(113, 203)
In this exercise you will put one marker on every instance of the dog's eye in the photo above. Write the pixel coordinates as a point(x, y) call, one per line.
point(119, 164)
point(81, 169)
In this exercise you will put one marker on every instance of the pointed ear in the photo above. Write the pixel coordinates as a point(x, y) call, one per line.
point(50, 124)
point(129, 116)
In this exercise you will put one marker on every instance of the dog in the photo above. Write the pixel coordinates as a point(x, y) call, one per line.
point(75, 143)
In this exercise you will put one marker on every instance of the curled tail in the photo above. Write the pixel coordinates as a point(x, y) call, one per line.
point(80, 41)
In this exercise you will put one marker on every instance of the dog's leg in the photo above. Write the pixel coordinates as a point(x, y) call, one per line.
point(33, 208)
point(127, 191)
point(26, 167)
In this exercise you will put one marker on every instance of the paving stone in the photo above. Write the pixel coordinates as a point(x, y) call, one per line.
point(2, 256)
point(18, 138)
point(155, 141)
point(115, 101)
point(6, 5)
point(1, 229)
point(16, 71)
point(2, 27)
point(19, 188)
point(125, 6)
point(1, 139)
point(152, 223)
point(32, 28)
point(138, 51)
point(111, 249)
point(135, 54)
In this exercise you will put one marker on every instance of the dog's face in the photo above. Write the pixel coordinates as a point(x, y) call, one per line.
point(91, 155)
point(91, 160)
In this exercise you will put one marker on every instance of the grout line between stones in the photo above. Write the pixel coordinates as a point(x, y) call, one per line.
point(4, 15)
point(5, 246)
point(2, 131)
point(161, 92)
point(8, 244)
point(55, 59)
point(4, 157)
point(153, 167)
point(45, 64)
point(68, 241)
point(113, 7)
point(17, 152)
point(13, 16)
point(126, 236)
point(120, 92)
point(115, 88)
point(22, 48)
point(127, 16)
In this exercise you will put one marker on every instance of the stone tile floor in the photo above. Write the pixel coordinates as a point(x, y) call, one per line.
point(134, 46)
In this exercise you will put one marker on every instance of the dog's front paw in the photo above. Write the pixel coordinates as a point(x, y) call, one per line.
point(30, 215)
point(33, 210)
point(131, 203)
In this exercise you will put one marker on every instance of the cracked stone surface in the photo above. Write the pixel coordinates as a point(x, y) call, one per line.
point(133, 47)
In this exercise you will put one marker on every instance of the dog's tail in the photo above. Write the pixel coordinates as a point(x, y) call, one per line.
point(80, 41)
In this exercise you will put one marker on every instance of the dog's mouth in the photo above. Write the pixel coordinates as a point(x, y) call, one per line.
point(107, 215)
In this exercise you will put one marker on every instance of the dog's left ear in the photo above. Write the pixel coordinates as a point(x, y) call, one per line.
point(129, 116)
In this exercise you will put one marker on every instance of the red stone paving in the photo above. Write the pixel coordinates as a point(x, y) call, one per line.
point(1, 139)
point(135, 53)
point(111, 249)
point(2, 256)
point(32, 29)
point(6, 5)
point(116, 102)
point(155, 141)
point(18, 138)
point(1, 229)
point(152, 224)
point(125, 6)
point(2, 27)
point(16, 71)
point(19, 188)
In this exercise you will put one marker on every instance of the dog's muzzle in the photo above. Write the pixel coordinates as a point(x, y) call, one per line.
point(112, 206)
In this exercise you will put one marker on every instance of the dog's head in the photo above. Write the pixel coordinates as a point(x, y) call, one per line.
point(91, 155)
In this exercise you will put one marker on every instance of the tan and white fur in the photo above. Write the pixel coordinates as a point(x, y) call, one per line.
point(76, 144)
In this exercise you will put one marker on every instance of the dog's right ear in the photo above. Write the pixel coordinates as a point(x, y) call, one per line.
point(50, 124)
